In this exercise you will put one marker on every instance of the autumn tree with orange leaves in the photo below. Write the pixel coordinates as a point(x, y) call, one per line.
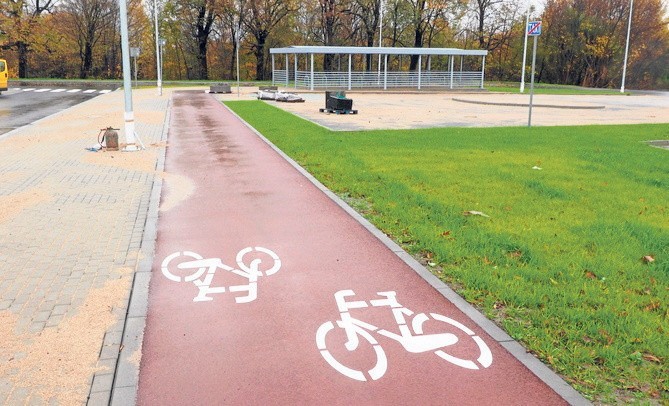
point(584, 43)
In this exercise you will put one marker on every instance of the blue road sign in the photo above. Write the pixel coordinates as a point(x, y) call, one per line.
point(534, 28)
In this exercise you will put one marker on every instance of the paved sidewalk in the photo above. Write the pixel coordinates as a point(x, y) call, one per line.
point(71, 228)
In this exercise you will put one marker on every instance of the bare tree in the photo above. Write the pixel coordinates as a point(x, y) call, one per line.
point(260, 18)
point(88, 19)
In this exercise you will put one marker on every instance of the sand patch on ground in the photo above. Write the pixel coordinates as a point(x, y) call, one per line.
point(12, 205)
point(11, 176)
point(151, 117)
point(142, 160)
point(56, 364)
point(179, 188)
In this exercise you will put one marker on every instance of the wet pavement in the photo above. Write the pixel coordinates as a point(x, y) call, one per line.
point(265, 288)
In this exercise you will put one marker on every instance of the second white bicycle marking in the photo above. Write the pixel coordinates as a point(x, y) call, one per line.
point(203, 271)
point(411, 336)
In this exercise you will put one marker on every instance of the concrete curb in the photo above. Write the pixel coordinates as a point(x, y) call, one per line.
point(126, 375)
point(537, 367)
point(550, 106)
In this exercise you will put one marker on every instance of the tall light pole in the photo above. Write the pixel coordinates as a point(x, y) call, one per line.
point(522, 72)
point(162, 43)
point(627, 46)
point(380, 31)
point(128, 116)
point(159, 69)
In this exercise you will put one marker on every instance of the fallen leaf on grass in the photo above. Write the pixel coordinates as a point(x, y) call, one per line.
point(652, 306)
point(647, 259)
point(590, 275)
point(475, 213)
point(651, 358)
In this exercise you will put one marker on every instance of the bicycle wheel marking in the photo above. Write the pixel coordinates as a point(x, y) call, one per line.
point(411, 336)
point(201, 271)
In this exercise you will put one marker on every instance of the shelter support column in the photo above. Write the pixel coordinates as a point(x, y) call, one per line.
point(295, 56)
point(385, 72)
point(420, 66)
point(450, 67)
point(273, 69)
point(349, 70)
point(482, 71)
point(287, 71)
point(311, 72)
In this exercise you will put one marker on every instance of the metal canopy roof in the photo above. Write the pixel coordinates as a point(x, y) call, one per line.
point(300, 49)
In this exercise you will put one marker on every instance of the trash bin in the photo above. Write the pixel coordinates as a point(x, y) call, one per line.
point(337, 101)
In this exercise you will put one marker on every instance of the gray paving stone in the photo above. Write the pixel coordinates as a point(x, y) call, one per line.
point(99, 399)
point(102, 383)
point(90, 223)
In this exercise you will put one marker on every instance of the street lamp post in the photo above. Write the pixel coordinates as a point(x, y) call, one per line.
point(159, 69)
point(380, 32)
point(522, 72)
point(128, 116)
point(627, 46)
point(162, 44)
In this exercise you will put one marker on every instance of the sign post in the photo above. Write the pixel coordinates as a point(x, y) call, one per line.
point(534, 30)
point(134, 53)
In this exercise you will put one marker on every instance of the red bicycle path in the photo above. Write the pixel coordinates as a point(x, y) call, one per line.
point(265, 351)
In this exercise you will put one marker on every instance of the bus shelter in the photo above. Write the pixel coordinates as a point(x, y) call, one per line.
point(453, 67)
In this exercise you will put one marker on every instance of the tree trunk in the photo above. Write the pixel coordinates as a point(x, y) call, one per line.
point(87, 62)
point(203, 73)
point(368, 57)
point(22, 49)
point(260, 56)
point(418, 43)
point(233, 59)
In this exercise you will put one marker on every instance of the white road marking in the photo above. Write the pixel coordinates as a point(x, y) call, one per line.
point(74, 90)
point(411, 337)
point(105, 91)
point(89, 91)
point(42, 90)
point(247, 269)
point(58, 90)
point(28, 89)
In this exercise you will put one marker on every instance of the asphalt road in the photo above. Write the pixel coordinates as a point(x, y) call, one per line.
point(21, 106)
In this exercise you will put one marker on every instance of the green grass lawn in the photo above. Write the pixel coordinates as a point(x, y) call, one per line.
point(559, 261)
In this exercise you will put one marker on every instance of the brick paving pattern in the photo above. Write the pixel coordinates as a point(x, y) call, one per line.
point(71, 221)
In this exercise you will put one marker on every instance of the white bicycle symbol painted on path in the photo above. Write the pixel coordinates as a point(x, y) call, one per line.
point(411, 337)
point(204, 270)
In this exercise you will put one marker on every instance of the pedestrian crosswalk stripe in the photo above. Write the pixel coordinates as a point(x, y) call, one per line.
point(60, 90)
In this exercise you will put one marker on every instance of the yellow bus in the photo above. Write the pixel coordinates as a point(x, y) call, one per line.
point(3, 75)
